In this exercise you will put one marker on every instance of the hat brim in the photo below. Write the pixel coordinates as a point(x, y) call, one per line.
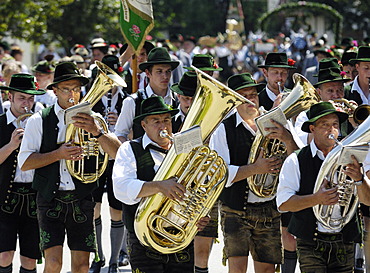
point(84, 80)
point(335, 80)
point(204, 68)
point(145, 65)
point(259, 86)
point(342, 117)
point(139, 118)
point(278, 66)
point(27, 91)
point(175, 88)
point(354, 61)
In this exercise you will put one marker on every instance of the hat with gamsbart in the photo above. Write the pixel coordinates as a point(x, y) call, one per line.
point(277, 59)
point(154, 106)
point(44, 67)
point(24, 83)
point(158, 55)
point(363, 55)
point(204, 62)
point(187, 85)
point(244, 80)
point(331, 75)
point(67, 71)
point(320, 110)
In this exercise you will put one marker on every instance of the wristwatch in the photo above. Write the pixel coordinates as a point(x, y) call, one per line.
point(359, 183)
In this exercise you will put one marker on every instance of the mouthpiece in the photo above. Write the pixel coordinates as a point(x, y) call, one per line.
point(164, 134)
point(71, 100)
point(26, 110)
point(331, 136)
point(279, 85)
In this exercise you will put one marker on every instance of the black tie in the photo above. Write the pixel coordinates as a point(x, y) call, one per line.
point(158, 149)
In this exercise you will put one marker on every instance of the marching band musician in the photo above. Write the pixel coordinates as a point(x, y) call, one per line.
point(64, 203)
point(321, 249)
point(185, 90)
point(158, 69)
point(109, 106)
point(133, 172)
point(249, 223)
point(276, 72)
point(18, 215)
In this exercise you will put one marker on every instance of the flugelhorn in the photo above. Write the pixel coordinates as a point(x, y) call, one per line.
point(169, 225)
point(21, 120)
point(94, 162)
point(358, 112)
point(302, 96)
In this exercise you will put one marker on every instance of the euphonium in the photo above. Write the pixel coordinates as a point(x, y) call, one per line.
point(333, 172)
point(302, 96)
point(83, 171)
point(167, 225)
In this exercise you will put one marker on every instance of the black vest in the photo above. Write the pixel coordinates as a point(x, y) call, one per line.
point(128, 79)
point(47, 178)
point(138, 97)
point(239, 142)
point(352, 95)
point(303, 223)
point(264, 100)
point(176, 124)
point(8, 167)
point(145, 171)
point(100, 108)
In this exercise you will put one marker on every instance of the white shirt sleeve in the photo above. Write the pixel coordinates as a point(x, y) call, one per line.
point(125, 120)
point(301, 118)
point(289, 180)
point(218, 142)
point(31, 141)
point(126, 185)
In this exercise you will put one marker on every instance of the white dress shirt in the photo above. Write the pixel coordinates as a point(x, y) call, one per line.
point(290, 180)
point(20, 177)
point(356, 86)
point(31, 143)
point(126, 118)
point(126, 185)
point(270, 94)
point(114, 101)
point(301, 118)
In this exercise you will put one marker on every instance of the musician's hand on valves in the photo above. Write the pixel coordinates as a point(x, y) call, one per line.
point(267, 165)
point(16, 138)
point(279, 132)
point(112, 118)
point(327, 195)
point(68, 151)
point(171, 189)
point(278, 100)
point(203, 222)
point(86, 122)
point(354, 170)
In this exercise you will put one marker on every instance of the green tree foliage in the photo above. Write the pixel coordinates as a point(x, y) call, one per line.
point(27, 19)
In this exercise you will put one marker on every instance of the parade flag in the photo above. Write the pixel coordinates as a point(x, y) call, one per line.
point(136, 20)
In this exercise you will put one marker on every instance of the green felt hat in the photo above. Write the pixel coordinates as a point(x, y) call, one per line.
point(204, 62)
point(244, 80)
point(67, 71)
point(325, 51)
point(154, 106)
point(363, 55)
point(44, 67)
point(320, 110)
point(158, 55)
point(330, 75)
point(187, 85)
point(277, 59)
point(24, 83)
point(347, 56)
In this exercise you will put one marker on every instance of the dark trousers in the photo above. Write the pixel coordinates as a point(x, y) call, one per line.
point(328, 254)
point(144, 259)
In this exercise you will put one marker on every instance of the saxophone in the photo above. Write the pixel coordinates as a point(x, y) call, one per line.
point(170, 225)
point(302, 96)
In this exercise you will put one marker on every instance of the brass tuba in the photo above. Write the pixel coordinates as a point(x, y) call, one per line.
point(96, 161)
point(169, 225)
point(302, 96)
point(333, 172)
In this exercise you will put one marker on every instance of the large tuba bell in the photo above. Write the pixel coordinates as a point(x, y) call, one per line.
point(333, 172)
point(302, 96)
point(94, 162)
point(170, 225)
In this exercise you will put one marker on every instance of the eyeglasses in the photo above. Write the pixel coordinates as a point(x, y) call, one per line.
point(77, 89)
